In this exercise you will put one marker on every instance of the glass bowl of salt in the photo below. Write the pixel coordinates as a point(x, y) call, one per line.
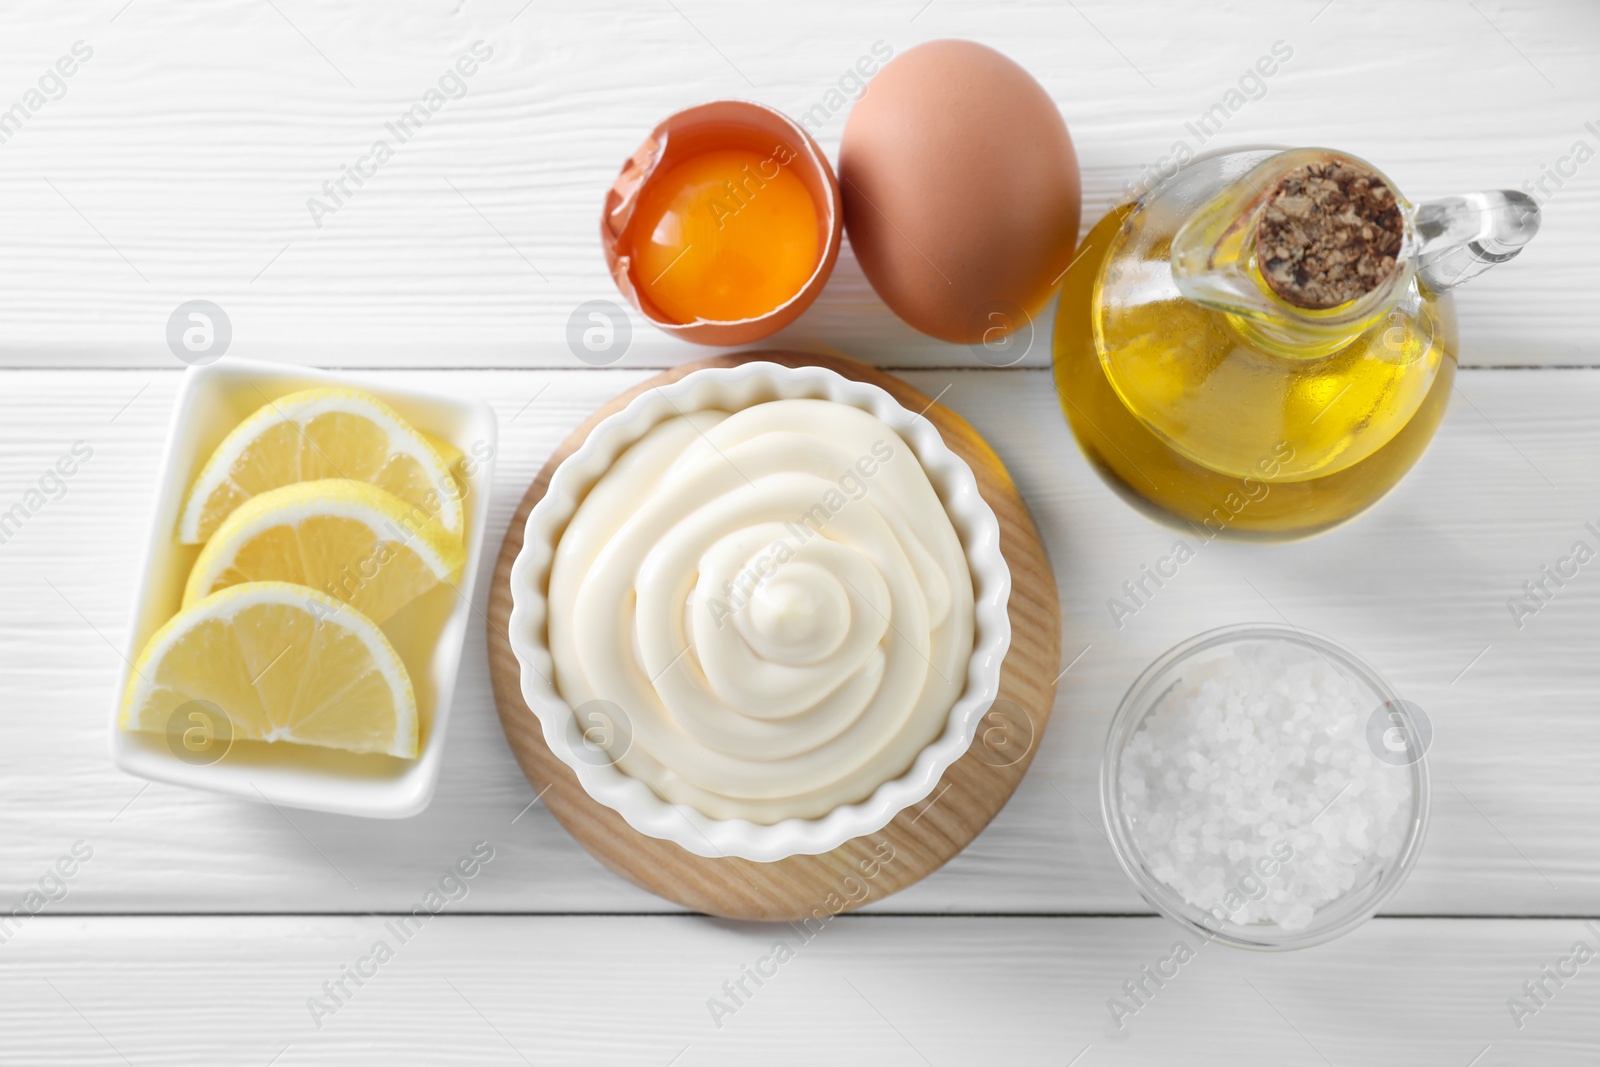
point(1265, 787)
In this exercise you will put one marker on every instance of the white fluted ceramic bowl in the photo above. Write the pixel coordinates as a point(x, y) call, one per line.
point(732, 389)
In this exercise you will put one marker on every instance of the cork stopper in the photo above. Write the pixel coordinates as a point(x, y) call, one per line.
point(1330, 234)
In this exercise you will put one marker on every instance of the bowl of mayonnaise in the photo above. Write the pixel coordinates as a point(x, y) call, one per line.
point(760, 610)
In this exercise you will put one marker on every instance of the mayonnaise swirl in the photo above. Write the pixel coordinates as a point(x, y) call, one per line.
point(774, 600)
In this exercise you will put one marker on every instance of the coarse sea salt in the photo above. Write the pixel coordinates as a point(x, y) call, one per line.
point(1250, 788)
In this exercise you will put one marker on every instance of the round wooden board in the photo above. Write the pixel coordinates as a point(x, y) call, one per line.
point(921, 838)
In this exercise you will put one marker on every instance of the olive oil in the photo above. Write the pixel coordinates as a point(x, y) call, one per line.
point(1220, 421)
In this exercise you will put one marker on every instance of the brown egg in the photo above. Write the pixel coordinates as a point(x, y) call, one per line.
point(725, 224)
point(961, 191)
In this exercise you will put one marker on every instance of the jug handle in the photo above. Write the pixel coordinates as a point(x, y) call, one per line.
point(1463, 236)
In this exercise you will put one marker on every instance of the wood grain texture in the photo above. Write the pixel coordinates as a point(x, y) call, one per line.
point(178, 165)
point(198, 992)
point(920, 839)
point(179, 162)
point(1418, 586)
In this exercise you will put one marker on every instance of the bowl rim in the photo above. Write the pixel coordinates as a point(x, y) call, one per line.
point(976, 526)
point(1141, 696)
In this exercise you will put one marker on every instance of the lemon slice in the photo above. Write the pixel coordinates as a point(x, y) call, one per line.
point(322, 433)
point(282, 663)
point(349, 540)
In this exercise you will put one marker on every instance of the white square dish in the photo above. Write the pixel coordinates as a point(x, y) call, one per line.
point(428, 634)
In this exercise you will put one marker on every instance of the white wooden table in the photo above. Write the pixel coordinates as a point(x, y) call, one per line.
point(177, 164)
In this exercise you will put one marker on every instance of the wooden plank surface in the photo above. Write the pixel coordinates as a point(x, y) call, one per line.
point(176, 163)
point(1419, 585)
point(179, 162)
point(912, 991)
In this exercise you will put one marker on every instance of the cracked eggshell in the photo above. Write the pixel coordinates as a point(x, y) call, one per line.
point(705, 128)
point(961, 190)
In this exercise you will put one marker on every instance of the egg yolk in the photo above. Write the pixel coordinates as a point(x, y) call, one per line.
point(724, 235)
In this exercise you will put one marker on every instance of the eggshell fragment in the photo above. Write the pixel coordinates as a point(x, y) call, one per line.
point(961, 191)
point(718, 125)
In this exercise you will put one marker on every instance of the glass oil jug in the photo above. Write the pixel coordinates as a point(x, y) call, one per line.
point(1263, 345)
